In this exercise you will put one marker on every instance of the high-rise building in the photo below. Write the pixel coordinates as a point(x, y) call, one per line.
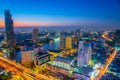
point(69, 42)
point(84, 54)
point(9, 30)
point(35, 35)
point(66, 42)
point(62, 42)
point(78, 34)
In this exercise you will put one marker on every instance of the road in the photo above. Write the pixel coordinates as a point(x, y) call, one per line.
point(18, 69)
point(13, 69)
point(10, 68)
point(109, 60)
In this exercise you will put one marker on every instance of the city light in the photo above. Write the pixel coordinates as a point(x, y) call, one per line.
point(59, 40)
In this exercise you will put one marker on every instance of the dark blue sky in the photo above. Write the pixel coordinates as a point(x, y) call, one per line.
point(62, 12)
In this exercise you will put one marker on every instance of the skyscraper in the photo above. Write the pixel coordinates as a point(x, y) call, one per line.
point(62, 42)
point(35, 35)
point(78, 34)
point(84, 54)
point(66, 42)
point(9, 30)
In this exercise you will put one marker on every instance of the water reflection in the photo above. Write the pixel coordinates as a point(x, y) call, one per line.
point(52, 45)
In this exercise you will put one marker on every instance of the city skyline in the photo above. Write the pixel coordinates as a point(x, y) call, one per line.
point(62, 12)
point(59, 40)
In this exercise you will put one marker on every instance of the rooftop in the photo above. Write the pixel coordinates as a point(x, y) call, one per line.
point(65, 60)
point(57, 51)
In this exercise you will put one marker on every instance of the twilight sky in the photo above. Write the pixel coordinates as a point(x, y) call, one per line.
point(62, 12)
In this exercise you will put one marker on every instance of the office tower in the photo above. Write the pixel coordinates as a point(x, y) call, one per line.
point(69, 42)
point(35, 35)
point(84, 54)
point(9, 29)
point(62, 42)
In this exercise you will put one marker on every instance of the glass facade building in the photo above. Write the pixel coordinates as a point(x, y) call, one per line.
point(9, 29)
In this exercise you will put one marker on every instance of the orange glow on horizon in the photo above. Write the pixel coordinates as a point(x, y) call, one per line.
point(20, 24)
point(23, 24)
point(2, 24)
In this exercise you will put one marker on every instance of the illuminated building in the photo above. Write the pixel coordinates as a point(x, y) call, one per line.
point(84, 54)
point(61, 65)
point(9, 30)
point(67, 66)
point(69, 42)
point(66, 42)
point(63, 62)
point(96, 70)
point(35, 35)
point(26, 55)
point(62, 42)
point(41, 57)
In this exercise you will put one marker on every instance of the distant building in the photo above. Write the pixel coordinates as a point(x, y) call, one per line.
point(84, 54)
point(9, 30)
point(58, 34)
point(66, 42)
point(35, 35)
point(62, 42)
point(41, 57)
point(77, 36)
point(101, 42)
point(78, 33)
point(117, 38)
